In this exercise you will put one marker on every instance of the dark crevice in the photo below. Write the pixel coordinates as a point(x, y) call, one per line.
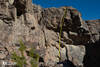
point(41, 59)
point(67, 63)
point(20, 6)
point(92, 57)
point(32, 28)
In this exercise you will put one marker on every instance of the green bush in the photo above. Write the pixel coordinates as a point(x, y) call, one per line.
point(35, 58)
point(22, 47)
point(21, 60)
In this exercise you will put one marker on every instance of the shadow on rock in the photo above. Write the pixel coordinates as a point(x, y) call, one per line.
point(92, 57)
point(67, 63)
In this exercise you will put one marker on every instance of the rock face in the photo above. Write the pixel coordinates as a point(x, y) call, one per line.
point(94, 27)
point(91, 59)
point(39, 28)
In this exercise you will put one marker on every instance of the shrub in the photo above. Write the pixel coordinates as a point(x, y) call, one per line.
point(35, 58)
point(21, 60)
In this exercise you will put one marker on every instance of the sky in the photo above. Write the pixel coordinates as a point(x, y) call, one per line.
point(90, 9)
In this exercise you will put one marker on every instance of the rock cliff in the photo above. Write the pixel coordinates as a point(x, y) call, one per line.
point(92, 56)
point(40, 28)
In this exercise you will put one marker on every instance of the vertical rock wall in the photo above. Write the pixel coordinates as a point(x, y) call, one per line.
point(39, 28)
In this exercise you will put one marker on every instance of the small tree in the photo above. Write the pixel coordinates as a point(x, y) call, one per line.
point(35, 58)
point(22, 47)
point(21, 60)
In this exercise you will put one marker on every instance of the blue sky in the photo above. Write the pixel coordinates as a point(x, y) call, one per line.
point(90, 9)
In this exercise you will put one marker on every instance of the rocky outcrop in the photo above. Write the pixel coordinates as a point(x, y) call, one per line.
point(92, 56)
point(94, 28)
point(39, 28)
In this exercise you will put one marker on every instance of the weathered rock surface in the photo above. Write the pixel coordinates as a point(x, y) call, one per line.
point(94, 28)
point(39, 28)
